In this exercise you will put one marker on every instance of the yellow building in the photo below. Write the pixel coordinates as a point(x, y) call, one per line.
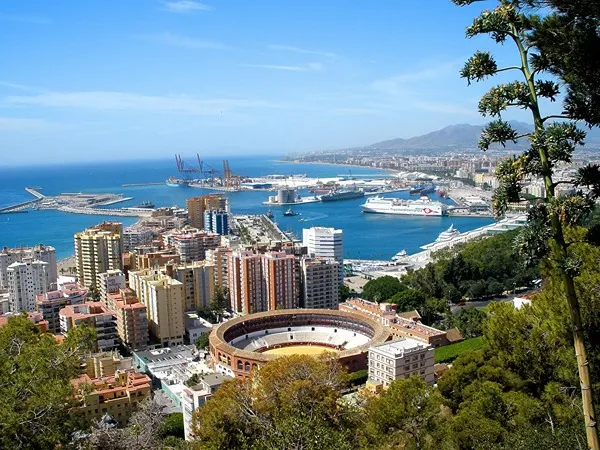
point(197, 205)
point(198, 279)
point(97, 250)
point(219, 258)
point(164, 299)
point(117, 395)
point(105, 363)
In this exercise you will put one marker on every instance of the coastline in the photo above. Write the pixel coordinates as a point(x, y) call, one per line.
point(64, 266)
point(394, 171)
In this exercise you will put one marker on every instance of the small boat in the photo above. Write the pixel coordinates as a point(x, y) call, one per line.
point(290, 212)
point(145, 204)
point(399, 256)
point(270, 214)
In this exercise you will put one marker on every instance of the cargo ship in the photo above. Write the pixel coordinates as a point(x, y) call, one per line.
point(176, 182)
point(145, 204)
point(342, 194)
point(422, 189)
point(422, 207)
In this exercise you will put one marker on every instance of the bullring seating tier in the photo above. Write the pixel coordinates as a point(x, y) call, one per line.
point(327, 336)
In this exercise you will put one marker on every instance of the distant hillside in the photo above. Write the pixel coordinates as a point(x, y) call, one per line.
point(462, 135)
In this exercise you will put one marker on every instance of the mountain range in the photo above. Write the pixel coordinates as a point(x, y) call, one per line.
point(462, 136)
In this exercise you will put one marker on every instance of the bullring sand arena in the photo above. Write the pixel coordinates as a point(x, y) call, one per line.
point(300, 350)
point(245, 343)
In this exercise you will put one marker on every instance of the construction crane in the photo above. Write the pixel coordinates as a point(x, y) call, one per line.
point(205, 169)
point(229, 179)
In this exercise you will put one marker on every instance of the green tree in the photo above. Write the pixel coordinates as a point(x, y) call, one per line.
point(409, 414)
point(344, 292)
point(469, 321)
point(202, 341)
point(408, 299)
point(93, 294)
point(292, 402)
point(381, 289)
point(568, 39)
point(219, 302)
point(35, 384)
point(173, 426)
point(551, 144)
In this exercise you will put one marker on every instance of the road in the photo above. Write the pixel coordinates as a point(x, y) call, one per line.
point(483, 303)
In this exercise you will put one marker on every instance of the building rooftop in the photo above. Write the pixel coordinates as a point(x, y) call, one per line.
point(401, 346)
point(85, 310)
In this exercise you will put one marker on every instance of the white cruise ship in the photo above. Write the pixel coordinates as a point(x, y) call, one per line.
point(422, 207)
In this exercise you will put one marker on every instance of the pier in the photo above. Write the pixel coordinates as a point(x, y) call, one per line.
point(22, 207)
point(378, 268)
point(122, 212)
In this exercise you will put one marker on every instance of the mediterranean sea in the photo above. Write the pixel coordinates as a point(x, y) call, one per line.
point(366, 236)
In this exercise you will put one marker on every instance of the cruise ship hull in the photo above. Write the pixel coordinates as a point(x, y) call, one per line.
point(423, 207)
point(400, 212)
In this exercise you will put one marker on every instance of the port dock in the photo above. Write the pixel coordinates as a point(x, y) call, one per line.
point(78, 203)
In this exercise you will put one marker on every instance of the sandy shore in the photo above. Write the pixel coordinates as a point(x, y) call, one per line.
point(65, 265)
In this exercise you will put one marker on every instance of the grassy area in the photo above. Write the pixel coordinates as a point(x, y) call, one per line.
point(450, 352)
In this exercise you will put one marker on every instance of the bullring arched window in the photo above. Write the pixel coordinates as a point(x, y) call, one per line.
point(247, 367)
point(240, 366)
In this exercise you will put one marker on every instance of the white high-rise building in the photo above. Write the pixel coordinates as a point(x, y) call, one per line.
point(39, 252)
point(327, 243)
point(26, 280)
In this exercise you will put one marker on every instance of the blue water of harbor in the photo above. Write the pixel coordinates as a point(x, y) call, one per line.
point(366, 236)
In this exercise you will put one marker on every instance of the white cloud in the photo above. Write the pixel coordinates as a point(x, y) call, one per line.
point(400, 84)
point(183, 41)
point(10, 124)
point(25, 19)
point(290, 48)
point(122, 101)
point(310, 67)
point(185, 6)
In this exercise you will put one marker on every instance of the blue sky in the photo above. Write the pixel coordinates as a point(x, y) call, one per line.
point(116, 79)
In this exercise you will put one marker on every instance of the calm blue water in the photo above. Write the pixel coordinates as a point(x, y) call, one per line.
point(366, 236)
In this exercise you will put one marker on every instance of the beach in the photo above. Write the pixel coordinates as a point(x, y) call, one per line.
point(66, 266)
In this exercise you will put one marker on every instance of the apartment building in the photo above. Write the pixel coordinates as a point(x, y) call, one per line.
point(280, 272)
point(50, 303)
point(247, 288)
point(135, 236)
point(95, 315)
point(40, 252)
point(320, 286)
point(219, 258)
point(26, 280)
point(194, 397)
point(400, 359)
point(117, 395)
point(164, 298)
point(191, 245)
point(326, 243)
point(198, 280)
point(97, 250)
point(196, 207)
point(216, 221)
point(111, 282)
point(132, 320)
